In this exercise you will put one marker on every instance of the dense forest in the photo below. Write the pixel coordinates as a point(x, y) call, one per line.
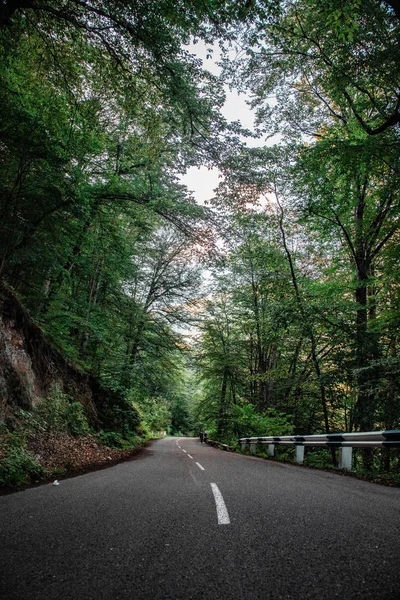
point(273, 308)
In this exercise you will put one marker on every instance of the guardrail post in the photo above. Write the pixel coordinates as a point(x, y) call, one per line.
point(271, 449)
point(345, 457)
point(344, 441)
point(300, 454)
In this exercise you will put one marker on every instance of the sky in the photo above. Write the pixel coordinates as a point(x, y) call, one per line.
point(202, 181)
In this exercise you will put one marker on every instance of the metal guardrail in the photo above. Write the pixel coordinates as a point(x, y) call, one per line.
point(344, 441)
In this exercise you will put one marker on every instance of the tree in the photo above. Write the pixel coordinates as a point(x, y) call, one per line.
point(356, 194)
point(220, 361)
point(323, 62)
point(332, 69)
point(103, 109)
point(165, 283)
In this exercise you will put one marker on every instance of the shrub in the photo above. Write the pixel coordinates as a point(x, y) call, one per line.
point(114, 439)
point(56, 414)
point(18, 465)
point(50, 413)
point(321, 458)
point(251, 422)
point(76, 420)
point(118, 414)
point(111, 439)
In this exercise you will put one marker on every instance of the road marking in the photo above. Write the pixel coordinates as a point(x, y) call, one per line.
point(178, 446)
point(184, 450)
point(200, 467)
point(222, 511)
point(190, 456)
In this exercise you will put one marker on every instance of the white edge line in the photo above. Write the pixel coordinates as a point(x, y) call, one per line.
point(200, 467)
point(222, 511)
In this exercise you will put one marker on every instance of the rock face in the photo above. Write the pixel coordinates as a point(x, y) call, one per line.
point(29, 366)
point(18, 383)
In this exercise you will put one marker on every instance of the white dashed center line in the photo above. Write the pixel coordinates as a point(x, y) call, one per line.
point(200, 467)
point(190, 456)
point(184, 450)
point(222, 511)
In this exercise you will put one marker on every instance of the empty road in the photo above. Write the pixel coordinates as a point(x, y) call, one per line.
point(186, 521)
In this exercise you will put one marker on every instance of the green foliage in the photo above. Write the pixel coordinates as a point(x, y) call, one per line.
point(114, 439)
point(103, 109)
point(320, 458)
point(50, 413)
point(155, 413)
point(76, 420)
point(55, 414)
point(181, 418)
point(118, 415)
point(97, 231)
point(17, 465)
point(251, 422)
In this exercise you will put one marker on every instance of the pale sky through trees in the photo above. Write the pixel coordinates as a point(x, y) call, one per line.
point(202, 181)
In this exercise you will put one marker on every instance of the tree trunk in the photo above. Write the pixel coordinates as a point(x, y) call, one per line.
point(57, 282)
point(308, 328)
point(221, 429)
point(366, 341)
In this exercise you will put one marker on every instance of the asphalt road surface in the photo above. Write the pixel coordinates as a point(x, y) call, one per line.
point(184, 520)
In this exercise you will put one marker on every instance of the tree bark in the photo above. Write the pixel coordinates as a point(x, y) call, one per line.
point(221, 429)
point(308, 327)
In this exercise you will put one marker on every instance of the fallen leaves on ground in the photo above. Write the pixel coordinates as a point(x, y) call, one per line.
point(64, 453)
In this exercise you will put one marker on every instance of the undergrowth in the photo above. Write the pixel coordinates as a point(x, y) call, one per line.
point(58, 425)
point(321, 458)
point(17, 464)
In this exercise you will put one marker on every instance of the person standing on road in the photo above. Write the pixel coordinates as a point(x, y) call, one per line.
point(201, 435)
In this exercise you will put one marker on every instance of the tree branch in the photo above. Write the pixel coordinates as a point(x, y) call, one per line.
point(394, 119)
